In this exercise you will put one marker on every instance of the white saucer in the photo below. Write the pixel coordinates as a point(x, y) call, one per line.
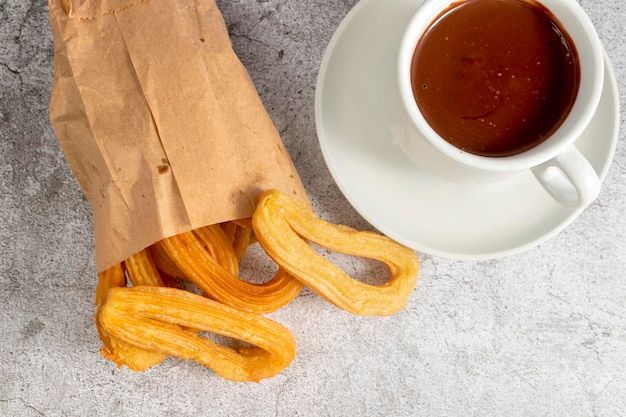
point(426, 213)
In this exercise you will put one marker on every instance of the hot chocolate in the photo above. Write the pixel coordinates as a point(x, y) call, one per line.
point(495, 77)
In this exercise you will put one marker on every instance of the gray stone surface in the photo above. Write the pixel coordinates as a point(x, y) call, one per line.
point(542, 333)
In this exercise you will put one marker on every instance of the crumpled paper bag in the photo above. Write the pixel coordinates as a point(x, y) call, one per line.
point(159, 120)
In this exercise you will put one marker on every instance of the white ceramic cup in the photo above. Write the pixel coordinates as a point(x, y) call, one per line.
point(556, 163)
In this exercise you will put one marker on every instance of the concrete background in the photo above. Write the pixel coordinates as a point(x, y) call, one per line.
point(542, 333)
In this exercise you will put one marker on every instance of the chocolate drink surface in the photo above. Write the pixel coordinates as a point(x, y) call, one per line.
point(495, 77)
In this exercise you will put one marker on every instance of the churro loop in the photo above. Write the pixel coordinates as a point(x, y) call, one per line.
point(283, 224)
point(217, 244)
point(110, 278)
point(115, 350)
point(239, 236)
point(197, 264)
point(142, 269)
point(239, 233)
point(167, 321)
point(164, 263)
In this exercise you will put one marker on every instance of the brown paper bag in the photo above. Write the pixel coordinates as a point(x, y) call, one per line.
point(159, 121)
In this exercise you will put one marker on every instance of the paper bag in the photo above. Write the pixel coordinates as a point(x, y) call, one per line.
point(159, 121)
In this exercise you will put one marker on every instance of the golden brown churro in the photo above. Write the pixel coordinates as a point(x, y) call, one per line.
point(168, 320)
point(283, 224)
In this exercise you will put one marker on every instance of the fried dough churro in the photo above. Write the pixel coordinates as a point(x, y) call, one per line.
point(168, 321)
point(142, 325)
point(142, 270)
point(116, 350)
point(216, 281)
point(283, 224)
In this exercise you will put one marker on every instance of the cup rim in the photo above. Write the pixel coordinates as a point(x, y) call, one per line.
point(575, 21)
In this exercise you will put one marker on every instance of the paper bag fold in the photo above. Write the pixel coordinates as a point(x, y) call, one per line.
point(159, 120)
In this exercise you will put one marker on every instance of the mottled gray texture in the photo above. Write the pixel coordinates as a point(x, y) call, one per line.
point(541, 333)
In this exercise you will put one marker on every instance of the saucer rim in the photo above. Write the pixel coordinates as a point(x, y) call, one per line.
point(423, 247)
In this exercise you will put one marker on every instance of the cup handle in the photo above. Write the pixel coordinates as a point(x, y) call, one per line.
point(569, 178)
